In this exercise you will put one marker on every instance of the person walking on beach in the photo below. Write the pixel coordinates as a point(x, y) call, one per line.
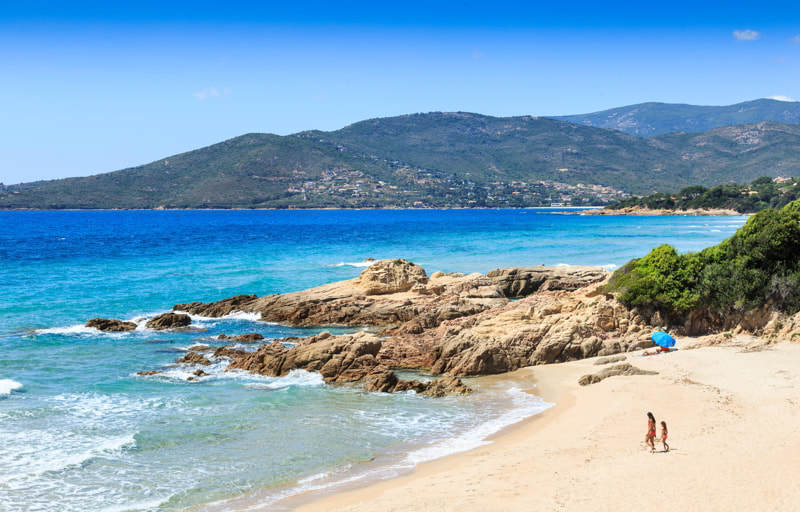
point(650, 438)
point(664, 436)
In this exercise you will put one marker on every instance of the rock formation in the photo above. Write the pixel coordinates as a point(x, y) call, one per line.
point(109, 325)
point(386, 292)
point(521, 282)
point(346, 359)
point(169, 321)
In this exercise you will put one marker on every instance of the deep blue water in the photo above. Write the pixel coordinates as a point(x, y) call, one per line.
point(81, 431)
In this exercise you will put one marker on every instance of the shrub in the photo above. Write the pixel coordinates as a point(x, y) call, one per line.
point(759, 263)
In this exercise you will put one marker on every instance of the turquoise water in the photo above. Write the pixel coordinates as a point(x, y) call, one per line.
point(81, 431)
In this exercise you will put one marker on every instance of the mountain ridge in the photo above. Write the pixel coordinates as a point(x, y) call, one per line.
point(437, 159)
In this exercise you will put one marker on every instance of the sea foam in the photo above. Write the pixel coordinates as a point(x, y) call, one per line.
point(8, 385)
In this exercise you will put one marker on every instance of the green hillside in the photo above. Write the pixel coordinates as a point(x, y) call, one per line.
point(430, 160)
point(650, 119)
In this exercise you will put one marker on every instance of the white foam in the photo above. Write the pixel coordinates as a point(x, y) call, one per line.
point(234, 315)
point(60, 453)
point(72, 330)
point(296, 378)
point(132, 507)
point(609, 266)
point(525, 405)
point(8, 385)
point(354, 264)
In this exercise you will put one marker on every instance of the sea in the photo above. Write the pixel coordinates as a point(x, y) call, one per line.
point(80, 430)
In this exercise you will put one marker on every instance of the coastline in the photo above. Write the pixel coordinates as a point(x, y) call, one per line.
point(731, 412)
point(636, 210)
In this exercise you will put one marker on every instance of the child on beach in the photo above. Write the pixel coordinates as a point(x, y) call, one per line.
point(664, 436)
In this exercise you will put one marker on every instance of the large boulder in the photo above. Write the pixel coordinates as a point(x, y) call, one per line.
point(391, 276)
point(169, 321)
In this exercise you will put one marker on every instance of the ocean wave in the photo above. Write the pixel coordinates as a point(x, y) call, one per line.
point(295, 378)
point(234, 315)
point(361, 264)
point(72, 330)
point(525, 406)
point(8, 385)
point(58, 454)
point(610, 267)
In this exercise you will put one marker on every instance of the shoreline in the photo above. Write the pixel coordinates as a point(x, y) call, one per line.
point(731, 411)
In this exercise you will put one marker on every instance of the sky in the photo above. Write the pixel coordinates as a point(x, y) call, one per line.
point(88, 87)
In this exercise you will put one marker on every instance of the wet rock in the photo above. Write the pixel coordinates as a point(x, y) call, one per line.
point(148, 373)
point(229, 352)
point(216, 309)
point(243, 338)
point(194, 358)
point(169, 321)
point(109, 325)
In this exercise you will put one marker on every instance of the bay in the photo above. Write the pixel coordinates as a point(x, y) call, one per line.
point(82, 431)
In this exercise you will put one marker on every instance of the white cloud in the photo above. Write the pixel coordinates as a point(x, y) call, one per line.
point(212, 92)
point(780, 97)
point(796, 39)
point(746, 35)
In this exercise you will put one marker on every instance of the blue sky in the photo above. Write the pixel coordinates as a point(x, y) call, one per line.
point(93, 87)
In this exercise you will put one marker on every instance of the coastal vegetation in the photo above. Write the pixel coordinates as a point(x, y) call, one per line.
point(761, 193)
point(759, 265)
point(433, 160)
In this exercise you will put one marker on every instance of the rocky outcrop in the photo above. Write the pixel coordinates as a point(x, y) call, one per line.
point(346, 359)
point(521, 282)
point(612, 371)
point(386, 292)
point(108, 325)
point(216, 309)
point(169, 321)
point(547, 327)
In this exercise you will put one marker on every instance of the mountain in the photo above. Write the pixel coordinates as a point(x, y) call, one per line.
point(435, 159)
point(650, 119)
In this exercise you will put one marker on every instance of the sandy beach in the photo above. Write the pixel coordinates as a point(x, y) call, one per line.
point(733, 417)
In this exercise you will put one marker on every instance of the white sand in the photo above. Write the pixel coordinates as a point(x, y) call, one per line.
point(733, 417)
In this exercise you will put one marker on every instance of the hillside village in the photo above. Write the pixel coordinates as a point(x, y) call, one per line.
point(446, 191)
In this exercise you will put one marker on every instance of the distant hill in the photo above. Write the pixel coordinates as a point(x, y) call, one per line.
point(650, 119)
point(760, 194)
point(437, 160)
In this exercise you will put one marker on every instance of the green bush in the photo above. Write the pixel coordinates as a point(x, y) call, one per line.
point(760, 263)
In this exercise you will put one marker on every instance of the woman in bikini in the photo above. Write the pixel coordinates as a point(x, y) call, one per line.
point(650, 438)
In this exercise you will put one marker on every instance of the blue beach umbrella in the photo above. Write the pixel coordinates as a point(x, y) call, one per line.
point(663, 339)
